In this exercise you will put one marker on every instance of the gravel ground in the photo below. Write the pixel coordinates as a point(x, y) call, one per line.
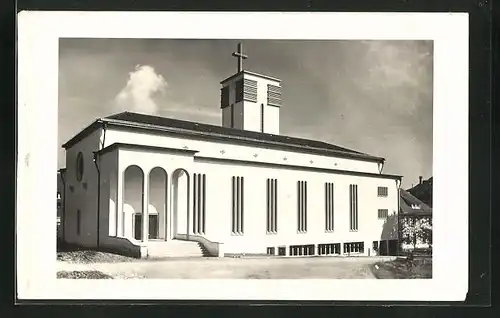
point(256, 268)
point(88, 257)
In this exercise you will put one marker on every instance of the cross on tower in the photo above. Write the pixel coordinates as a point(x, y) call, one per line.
point(239, 54)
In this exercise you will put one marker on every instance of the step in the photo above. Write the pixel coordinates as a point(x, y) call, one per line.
point(175, 248)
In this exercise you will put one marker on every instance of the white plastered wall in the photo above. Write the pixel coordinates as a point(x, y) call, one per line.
point(233, 150)
point(82, 195)
point(255, 239)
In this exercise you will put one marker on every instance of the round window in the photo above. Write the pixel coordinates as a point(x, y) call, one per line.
point(79, 166)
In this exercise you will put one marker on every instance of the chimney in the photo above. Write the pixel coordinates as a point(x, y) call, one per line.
point(420, 180)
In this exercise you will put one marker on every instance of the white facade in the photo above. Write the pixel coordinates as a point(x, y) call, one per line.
point(172, 198)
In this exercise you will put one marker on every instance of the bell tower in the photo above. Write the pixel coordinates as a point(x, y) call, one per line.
point(250, 101)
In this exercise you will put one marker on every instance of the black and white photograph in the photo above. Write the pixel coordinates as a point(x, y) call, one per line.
point(301, 149)
point(208, 154)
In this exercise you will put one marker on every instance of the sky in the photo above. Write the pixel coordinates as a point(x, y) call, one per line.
point(370, 96)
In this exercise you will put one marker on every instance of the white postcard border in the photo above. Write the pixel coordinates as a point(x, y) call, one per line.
point(38, 57)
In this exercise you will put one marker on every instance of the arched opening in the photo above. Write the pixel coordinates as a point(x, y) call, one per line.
point(157, 209)
point(180, 204)
point(133, 199)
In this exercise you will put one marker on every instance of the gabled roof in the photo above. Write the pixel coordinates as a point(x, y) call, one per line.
point(132, 120)
point(409, 204)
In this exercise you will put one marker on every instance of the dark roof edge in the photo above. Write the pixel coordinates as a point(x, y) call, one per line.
point(317, 169)
point(415, 213)
point(188, 132)
point(99, 122)
point(119, 145)
point(251, 73)
point(84, 133)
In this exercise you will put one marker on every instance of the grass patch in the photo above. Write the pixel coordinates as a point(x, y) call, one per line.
point(82, 275)
point(403, 268)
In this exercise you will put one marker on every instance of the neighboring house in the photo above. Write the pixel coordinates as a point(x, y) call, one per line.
point(60, 202)
point(415, 219)
point(142, 184)
point(423, 191)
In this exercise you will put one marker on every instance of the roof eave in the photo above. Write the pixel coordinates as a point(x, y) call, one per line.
point(84, 133)
point(250, 73)
point(122, 123)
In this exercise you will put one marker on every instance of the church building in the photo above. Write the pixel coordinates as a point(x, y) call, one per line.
point(151, 186)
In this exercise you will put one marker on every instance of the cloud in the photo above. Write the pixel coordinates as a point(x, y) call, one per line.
point(142, 86)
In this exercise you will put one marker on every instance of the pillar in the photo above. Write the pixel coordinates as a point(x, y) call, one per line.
point(167, 217)
point(368, 248)
point(145, 208)
point(120, 224)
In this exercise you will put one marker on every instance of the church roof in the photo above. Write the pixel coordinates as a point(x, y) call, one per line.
point(157, 123)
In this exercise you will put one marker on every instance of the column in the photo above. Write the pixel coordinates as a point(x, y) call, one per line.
point(145, 208)
point(112, 203)
point(120, 226)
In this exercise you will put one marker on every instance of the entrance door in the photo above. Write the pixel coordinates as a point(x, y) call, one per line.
point(153, 226)
point(138, 226)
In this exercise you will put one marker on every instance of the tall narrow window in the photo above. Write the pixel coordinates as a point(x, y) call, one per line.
point(329, 206)
point(353, 207)
point(237, 215)
point(78, 222)
point(302, 206)
point(224, 100)
point(238, 91)
point(262, 117)
point(272, 206)
point(199, 205)
point(232, 115)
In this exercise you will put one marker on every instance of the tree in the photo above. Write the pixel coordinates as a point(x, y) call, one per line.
point(416, 229)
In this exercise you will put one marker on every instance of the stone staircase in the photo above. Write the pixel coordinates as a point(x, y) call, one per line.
point(176, 248)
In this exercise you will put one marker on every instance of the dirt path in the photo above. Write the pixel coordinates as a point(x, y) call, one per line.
point(273, 268)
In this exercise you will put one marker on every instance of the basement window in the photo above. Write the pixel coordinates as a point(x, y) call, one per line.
point(270, 251)
point(282, 251)
point(354, 248)
point(329, 249)
point(301, 250)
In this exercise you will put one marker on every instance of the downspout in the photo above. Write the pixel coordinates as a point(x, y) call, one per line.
point(398, 184)
point(63, 214)
point(96, 157)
